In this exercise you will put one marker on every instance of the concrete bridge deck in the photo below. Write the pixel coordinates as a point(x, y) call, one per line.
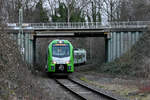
point(76, 29)
point(77, 25)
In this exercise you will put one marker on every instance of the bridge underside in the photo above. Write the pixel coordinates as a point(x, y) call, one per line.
point(45, 34)
point(70, 34)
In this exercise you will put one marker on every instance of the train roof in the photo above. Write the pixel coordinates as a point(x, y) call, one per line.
point(56, 41)
point(59, 41)
point(77, 50)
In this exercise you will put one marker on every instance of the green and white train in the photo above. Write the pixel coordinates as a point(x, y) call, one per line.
point(60, 57)
point(80, 56)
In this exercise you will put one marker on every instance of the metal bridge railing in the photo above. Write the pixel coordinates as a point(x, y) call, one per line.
point(80, 25)
point(129, 24)
point(61, 25)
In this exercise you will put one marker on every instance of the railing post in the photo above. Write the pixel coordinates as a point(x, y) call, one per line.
point(43, 25)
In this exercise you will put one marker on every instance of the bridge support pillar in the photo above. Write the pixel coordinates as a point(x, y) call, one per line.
point(106, 48)
point(109, 50)
point(34, 51)
point(120, 43)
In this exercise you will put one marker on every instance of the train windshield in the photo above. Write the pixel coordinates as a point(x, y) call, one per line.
point(60, 50)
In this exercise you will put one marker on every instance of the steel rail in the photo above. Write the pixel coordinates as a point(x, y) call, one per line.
point(104, 93)
point(89, 90)
point(73, 92)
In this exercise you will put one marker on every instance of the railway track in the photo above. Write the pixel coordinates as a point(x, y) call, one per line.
point(84, 92)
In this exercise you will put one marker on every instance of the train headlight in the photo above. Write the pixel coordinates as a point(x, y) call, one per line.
point(68, 62)
point(54, 62)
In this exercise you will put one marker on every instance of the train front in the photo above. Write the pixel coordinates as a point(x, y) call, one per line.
point(60, 57)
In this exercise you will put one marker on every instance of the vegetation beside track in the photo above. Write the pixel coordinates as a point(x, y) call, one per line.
point(123, 87)
point(134, 63)
point(16, 80)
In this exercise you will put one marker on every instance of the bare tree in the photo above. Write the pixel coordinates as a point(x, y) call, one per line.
point(110, 9)
point(52, 6)
point(140, 10)
point(3, 13)
point(133, 10)
point(12, 9)
point(77, 4)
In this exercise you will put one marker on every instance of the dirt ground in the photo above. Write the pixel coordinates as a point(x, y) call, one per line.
point(51, 89)
point(129, 87)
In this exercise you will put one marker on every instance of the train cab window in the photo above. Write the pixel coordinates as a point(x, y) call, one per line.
point(61, 50)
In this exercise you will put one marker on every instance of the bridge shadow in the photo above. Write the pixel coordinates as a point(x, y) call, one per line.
point(46, 75)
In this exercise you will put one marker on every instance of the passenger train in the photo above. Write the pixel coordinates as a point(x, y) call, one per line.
point(61, 57)
point(79, 56)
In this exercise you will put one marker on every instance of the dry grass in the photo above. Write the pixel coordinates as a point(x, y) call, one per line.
point(16, 81)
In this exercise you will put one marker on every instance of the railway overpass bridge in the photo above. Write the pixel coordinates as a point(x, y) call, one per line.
point(119, 36)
